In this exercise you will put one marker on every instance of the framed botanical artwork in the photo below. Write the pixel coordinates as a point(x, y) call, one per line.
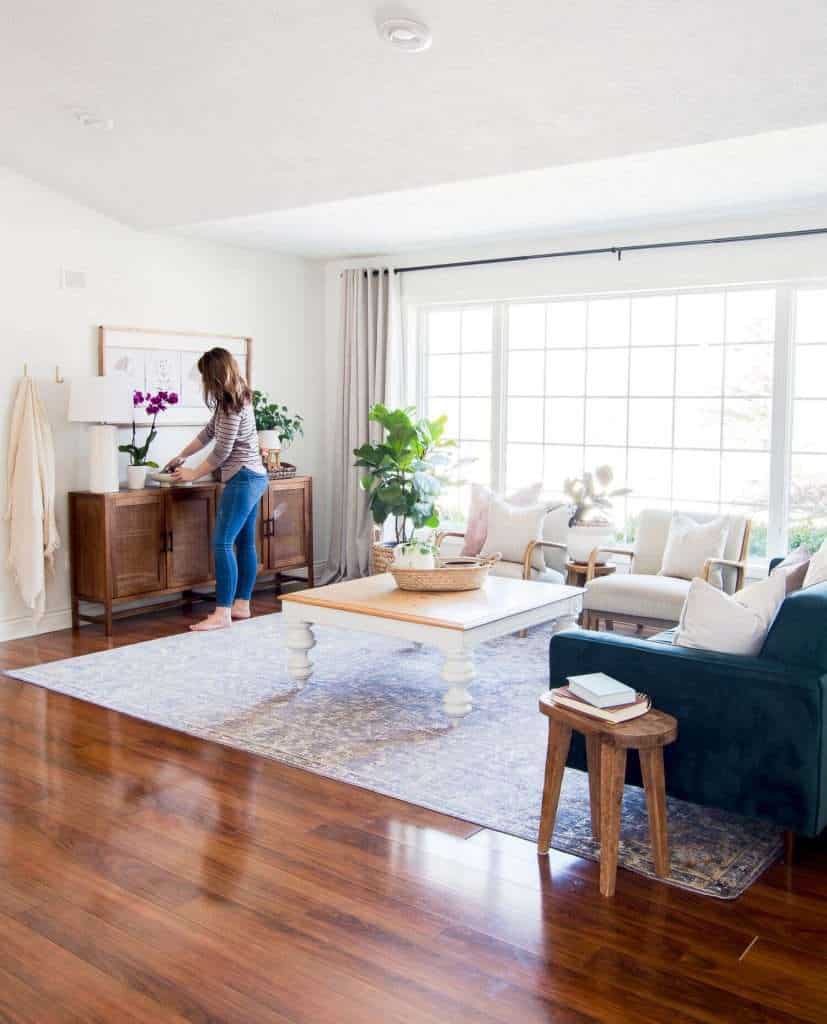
point(156, 360)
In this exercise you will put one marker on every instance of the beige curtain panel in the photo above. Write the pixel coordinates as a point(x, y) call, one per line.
point(370, 357)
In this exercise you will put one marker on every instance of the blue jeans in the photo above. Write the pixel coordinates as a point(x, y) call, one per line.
point(235, 523)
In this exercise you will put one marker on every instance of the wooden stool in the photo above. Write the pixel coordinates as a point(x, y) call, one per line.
point(606, 747)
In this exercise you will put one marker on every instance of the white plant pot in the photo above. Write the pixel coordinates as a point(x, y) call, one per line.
point(269, 439)
point(582, 540)
point(135, 477)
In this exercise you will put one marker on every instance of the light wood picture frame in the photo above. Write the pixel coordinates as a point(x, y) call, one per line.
point(166, 360)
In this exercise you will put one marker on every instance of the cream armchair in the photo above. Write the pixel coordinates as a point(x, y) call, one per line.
point(644, 598)
point(555, 551)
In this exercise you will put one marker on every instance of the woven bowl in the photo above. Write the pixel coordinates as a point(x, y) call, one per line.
point(452, 575)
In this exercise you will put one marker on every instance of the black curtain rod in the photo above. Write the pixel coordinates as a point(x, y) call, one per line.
point(614, 250)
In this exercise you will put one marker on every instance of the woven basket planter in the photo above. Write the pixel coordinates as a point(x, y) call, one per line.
point(381, 556)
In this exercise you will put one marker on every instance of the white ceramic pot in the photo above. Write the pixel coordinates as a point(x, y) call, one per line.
point(135, 477)
point(269, 440)
point(582, 540)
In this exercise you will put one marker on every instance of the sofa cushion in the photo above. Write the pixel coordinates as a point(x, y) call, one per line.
point(651, 597)
point(799, 634)
point(511, 528)
point(514, 571)
point(817, 569)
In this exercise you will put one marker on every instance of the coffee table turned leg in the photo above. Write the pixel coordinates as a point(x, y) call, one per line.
point(300, 640)
point(458, 673)
point(559, 739)
point(612, 775)
point(654, 785)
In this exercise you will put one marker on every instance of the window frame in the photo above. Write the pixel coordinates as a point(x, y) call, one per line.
point(781, 398)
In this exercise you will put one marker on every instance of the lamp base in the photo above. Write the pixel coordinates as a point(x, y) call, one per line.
point(103, 458)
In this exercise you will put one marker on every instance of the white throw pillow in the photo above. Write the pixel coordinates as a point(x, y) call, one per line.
point(511, 528)
point(476, 528)
point(817, 572)
point(689, 544)
point(731, 624)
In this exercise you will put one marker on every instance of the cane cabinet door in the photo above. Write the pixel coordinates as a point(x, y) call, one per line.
point(137, 541)
point(288, 531)
point(190, 518)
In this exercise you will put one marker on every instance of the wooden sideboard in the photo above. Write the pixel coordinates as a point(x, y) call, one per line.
point(158, 541)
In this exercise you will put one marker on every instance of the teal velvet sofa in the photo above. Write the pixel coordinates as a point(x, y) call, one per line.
point(752, 731)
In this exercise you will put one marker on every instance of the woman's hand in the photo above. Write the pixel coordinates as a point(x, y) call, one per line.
point(183, 475)
point(174, 463)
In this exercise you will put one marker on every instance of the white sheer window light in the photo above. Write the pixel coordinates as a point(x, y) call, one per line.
point(808, 448)
point(674, 390)
point(458, 347)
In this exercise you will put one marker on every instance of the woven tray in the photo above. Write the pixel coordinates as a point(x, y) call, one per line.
point(285, 472)
point(453, 574)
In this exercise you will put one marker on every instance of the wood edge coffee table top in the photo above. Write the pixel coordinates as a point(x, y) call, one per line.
point(654, 729)
point(461, 610)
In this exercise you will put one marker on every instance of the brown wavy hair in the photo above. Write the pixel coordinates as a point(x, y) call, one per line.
point(224, 387)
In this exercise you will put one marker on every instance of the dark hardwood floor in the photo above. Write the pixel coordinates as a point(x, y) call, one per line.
point(146, 876)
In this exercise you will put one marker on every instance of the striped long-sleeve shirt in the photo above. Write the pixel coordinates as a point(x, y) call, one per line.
point(236, 442)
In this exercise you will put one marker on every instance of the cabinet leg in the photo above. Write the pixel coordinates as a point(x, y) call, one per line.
point(559, 739)
point(107, 618)
point(651, 768)
point(75, 614)
point(311, 577)
point(612, 775)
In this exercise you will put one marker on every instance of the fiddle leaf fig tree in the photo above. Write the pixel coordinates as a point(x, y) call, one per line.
point(402, 473)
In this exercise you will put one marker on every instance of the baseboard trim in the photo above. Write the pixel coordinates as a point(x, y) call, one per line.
point(24, 625)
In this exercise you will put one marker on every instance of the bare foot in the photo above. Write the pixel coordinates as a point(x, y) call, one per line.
point(240, 609)
point(219, 619)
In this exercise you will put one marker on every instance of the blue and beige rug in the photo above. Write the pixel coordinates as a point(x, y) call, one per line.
point(371, 715)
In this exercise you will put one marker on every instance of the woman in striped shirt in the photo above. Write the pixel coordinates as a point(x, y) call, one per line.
point(236, 461)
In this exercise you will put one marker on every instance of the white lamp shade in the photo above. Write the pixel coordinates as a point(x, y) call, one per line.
point(100, 399)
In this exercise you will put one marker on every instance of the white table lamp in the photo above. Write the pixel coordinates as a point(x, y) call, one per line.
point(103, 402)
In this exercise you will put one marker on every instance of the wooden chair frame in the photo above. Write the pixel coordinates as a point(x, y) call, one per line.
point(590, 618)
point(527, 557)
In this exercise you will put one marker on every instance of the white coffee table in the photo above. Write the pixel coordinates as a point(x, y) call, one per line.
point(455, 623)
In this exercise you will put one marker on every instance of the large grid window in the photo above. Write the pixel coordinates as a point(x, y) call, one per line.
point(672, 391)
point(683, 393)
point(458, 384)
point(808, 459)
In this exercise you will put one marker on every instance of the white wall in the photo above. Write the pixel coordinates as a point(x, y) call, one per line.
point(147, 280)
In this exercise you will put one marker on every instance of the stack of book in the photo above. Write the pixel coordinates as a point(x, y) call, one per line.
point(599, 696)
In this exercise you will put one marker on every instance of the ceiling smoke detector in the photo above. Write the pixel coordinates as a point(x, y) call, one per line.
point(404, 34)
point(90, 120)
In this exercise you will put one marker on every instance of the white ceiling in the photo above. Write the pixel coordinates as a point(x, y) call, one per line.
point(770, 172)
point(225, 109)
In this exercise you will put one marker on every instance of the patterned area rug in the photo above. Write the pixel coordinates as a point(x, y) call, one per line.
point(371, 715)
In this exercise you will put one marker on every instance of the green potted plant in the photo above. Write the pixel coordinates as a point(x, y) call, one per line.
point(277, 428)
point(138, 461)
point(402, 473)
point(590, 525)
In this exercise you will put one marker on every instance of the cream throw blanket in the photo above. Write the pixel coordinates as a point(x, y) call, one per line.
point(33, 537)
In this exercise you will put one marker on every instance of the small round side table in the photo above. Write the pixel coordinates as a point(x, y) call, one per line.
point(576, 572)
point(606, 747)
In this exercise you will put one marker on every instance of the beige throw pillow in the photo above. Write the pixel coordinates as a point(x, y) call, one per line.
point(817, 570)
point(731, 624)
point(511, 528)
point(794, 569)
point(689, 544)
